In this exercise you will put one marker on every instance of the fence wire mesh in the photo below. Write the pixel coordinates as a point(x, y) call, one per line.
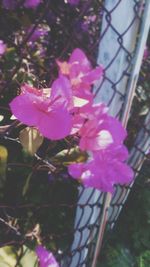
point(48, 212)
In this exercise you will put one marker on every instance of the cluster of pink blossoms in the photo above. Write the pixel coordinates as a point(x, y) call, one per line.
point(67, 108)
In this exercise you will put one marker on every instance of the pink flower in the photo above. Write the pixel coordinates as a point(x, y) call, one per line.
point(46, 258)
point(104, 170)
point(3, 48)
point(32, 3)
point(48, 113)
point(99, 129)
point(62, 87)
point(80, 72)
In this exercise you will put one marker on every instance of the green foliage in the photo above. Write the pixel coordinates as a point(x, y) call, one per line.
point(9, 256)
point(144, 259)
point(74, 155)
point(117, 257)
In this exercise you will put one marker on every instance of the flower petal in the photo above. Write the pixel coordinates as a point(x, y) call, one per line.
point(93, 76)
point(124, 173)
point(46, 258)
point(75, 170)
point(64, 67)
point(24, 110)
point(61, 90)
point(78, 56)
point(56, 124)
point(116, 129)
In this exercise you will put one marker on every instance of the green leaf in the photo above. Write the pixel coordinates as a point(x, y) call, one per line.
point(74, 155)
point(29, 258)
point(118, 257)
point(11, 58)
point(9, 256)
point(30, 139)
point(3, 164)
point(144, 259)
point(27, 183)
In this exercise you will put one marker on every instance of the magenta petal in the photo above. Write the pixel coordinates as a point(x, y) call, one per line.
point(75, 170)
point(56, 124)
point(46, 258)
point(48, 115)
point(100, 141)
point(78, 56)
point(31, 91)
point(115, 128)
point(32, 3)
point(61, 89)
point(92, 76)
point(84, 144)
point(3, 48)
point(75, 70)
point(124, 173)
point(120, 152)
point(95, 176)
point(104, 171)
point(24, 110)
point(106, 186)
point(101, 183)
point(78, 121)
